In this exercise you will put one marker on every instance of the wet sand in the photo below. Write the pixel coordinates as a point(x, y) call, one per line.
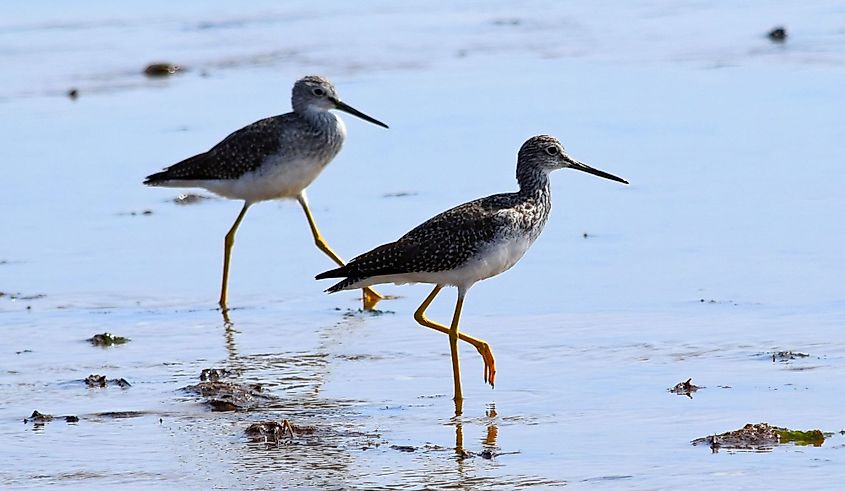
point(724, 250)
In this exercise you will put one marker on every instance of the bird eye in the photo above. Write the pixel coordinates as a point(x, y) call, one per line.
point(551, 150)
point(318, 92)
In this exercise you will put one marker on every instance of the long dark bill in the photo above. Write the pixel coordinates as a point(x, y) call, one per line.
point(589, 170)
point(342, 106)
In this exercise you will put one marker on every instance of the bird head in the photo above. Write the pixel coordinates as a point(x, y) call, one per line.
point(316, 93)
point(547, 154)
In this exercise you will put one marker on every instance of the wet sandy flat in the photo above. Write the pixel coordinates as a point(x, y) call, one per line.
point(724, 252)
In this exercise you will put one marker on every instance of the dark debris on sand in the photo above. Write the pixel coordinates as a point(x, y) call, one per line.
point(371, 312)
point(215, 374)
point(275, 431)
point(161, 69)
point(777, 35)
point(713, 301)
point(107, 339)
point(285, 432)
point(404, 448)
point(784, 356)
point(190, 199)
point(121, 414)
point(95, 380)
point(760, 437)
point(38, 418)
point(227, 395)
point(21, 296)
point(269, 431)
point(400, 194)
point(230, 396)
point(684, 388)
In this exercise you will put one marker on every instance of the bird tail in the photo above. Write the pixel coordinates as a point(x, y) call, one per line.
point(345, 284)
point(188, 169)
point(155, 179)
point(360, 270)
point(333, 273)
point(340, 272)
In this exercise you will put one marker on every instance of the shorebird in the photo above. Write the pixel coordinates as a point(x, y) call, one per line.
point(273, 158)
point(469, 243)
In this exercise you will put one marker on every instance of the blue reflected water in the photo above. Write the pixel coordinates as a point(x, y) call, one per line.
point(725, 248)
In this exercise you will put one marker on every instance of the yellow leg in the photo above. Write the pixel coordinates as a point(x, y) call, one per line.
point(227, 256)
point(483, 348)
point(370, 296)
point(453, 348)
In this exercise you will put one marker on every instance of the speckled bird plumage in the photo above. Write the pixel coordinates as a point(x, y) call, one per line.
point(467, 244)
point(248, 148)
point(275, 157)
point(473, 241)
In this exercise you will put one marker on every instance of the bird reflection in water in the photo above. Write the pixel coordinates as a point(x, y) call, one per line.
point(490, 436)
point(492, 430)
point(229, 334)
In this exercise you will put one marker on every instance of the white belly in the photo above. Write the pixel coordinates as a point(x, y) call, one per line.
point(495, 259)
point(271, 181)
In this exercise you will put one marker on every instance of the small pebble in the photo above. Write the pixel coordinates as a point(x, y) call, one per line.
point(778, 34)
point(161, 69)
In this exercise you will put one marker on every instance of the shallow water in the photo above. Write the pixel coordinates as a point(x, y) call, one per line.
point(725, 248)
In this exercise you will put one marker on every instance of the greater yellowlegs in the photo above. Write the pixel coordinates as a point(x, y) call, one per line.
point(273, 158)
point(471, 242)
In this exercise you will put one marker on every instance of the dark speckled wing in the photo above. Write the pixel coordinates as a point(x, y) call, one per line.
point(442, 243)
point(241, 152)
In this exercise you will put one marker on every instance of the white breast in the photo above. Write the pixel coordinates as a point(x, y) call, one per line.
point(497, 258)
point(273, 180)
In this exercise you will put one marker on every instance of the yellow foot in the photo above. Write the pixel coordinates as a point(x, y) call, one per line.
point(489, 363)
point(371, 298)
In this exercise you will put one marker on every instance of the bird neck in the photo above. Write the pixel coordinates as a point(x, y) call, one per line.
point(319, 118)
point(533, 201)
point(533, 182)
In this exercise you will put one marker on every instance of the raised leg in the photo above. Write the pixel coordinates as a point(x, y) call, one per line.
point(227, 256)
point(483, 348)
point(370, 296)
